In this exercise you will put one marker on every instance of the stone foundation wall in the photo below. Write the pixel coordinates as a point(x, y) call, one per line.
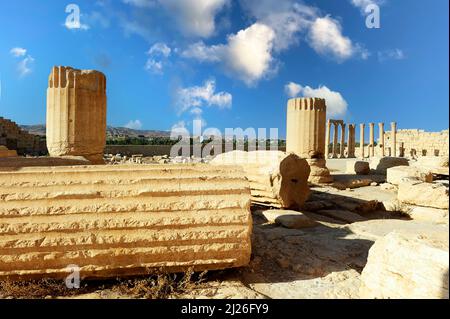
point(420, 143)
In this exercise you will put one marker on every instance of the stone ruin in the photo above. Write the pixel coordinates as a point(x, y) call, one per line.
point(133, 217)
point(14, 138)
point(76, 113)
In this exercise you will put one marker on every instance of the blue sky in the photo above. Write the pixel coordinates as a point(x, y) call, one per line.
point(232, 63)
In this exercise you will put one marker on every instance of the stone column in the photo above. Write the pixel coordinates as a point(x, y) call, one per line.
point(342, 141)
point(351, 141)
point(76, 113)
point(327, 139)
point(361, 139)
point(381, 129)
point(305, 136)
point(335, 140)
point(372, 140)
point(394, 139)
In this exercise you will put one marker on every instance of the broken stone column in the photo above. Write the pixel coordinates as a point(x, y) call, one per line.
point(327, 140)
point(372, 139)
point(276, 179)
point(361, 139)
point(76, 113)
point(306, 124)
point(351, 141)
point(381, 129)
point(123, 220)
point(394, 139)
point(342, 151)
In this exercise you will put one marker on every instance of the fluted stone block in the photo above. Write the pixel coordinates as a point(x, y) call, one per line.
point(306, 135)
point(306, 125)
point(123, 220)
point(276, 179)
point(76, 113)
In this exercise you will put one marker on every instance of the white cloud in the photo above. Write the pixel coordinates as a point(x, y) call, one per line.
point(247, 54)
point(158, 55)
point(336, 104)
point(203, 53)
point(153, 66)
point(287, 18)
point(292, 89)
point(160, 48)
point(18, 52)
point(194, 98)
point(250, 54)
point(363, 4)
point(179, 126)
point(394, 54)
point(134, 125)
point(24, 67)
point(326, 38)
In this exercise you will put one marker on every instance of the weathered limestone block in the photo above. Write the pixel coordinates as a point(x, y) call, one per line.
point(415, 192)
point(407, 265)
point(319, 172)
point(357, 167)
point(429, 214)
point(76, 113)
point(289, 218)
point(15, 162)
point(276, 178)
point(5, 152)
point(395, 175)
point(381, 164)
point(433, 164)
point(123, 220)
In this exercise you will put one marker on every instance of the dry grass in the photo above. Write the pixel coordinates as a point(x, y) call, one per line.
point(161, 286)
point(157, 285)
point(37, 289)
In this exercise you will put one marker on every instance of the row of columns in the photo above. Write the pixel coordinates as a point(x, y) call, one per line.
point(339, 152)
point(381, 139)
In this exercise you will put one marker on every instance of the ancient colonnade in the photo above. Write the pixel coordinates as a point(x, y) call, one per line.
point(338, 146)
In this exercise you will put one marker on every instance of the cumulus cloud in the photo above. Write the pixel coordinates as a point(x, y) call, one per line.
point(326, 38)
point(160, 48)
point(194, 98)
point(134, 125)
point(157, 58)
point(18, 52)
point(247, 54)
point(250, 54)
point(287, 18)
point(336, 104)
point(394, 54)
point(292, 89)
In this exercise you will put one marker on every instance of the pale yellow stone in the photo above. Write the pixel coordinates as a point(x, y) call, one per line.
point(276, 178)
point(76, 113)
point(306, 135)
point(407, 265)
point(123, 220)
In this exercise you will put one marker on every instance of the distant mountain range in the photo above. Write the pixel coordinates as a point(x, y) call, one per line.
point(110, 131)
